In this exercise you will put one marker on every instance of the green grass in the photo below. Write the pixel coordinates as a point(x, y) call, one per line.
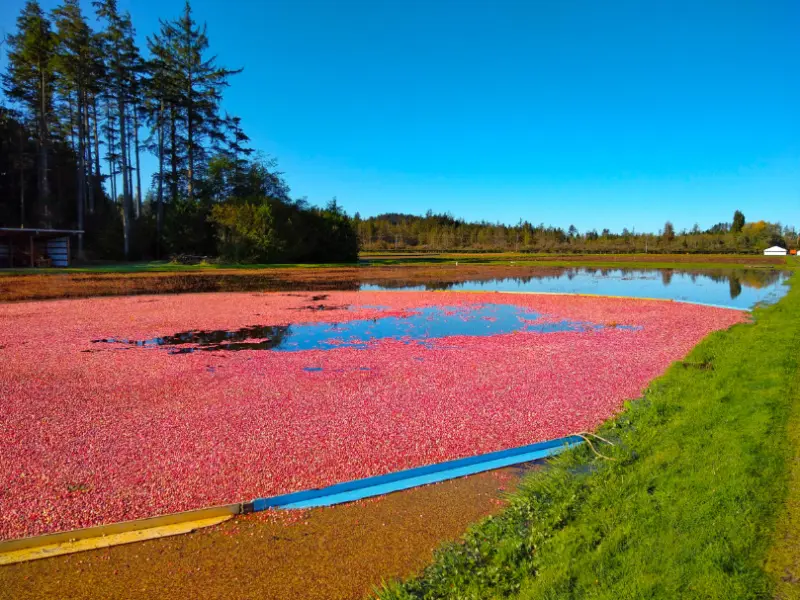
point(161, 266)
point(686, 510)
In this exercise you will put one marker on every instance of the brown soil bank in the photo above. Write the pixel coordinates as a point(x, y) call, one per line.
point(332, 553)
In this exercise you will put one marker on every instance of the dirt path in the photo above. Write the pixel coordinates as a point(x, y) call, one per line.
point(332, 553)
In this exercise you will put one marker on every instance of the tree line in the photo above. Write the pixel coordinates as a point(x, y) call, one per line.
point(442, 232)
point(84, 103)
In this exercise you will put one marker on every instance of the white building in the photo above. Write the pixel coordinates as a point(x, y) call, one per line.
point(775, 251)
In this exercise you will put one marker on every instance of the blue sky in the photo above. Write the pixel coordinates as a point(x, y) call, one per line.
point(594, 113)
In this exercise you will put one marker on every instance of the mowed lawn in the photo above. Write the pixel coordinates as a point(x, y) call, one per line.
point(691, 503)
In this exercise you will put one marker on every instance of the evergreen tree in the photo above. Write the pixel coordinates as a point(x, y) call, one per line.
point(123, 64)
point(74, 74)
point(29, 81)
point(195, 92)
point(669, 232)
point(738, 222)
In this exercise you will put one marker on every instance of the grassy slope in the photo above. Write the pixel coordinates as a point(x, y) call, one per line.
point(784, 557)
point(686, 510)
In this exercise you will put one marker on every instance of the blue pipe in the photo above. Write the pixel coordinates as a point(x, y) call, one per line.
point(402, 480)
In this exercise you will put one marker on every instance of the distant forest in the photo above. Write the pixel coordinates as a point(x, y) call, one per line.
point(437, 233)
point(82, 104)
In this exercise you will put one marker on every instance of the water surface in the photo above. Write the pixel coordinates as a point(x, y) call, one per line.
point(740, 288)
point(421, 326)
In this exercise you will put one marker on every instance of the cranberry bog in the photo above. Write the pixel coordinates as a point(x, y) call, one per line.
point(114, 409)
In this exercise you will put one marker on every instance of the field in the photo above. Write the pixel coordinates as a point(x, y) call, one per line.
point(117, 408)
point(99, 428)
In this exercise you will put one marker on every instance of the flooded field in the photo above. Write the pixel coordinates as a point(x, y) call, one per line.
point(215, 398)
point(733, 287)
point(123, 408)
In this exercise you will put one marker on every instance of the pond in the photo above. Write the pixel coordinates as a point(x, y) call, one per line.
point(739, 288)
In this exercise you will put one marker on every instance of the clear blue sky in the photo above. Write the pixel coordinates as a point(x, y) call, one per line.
point(601, 113)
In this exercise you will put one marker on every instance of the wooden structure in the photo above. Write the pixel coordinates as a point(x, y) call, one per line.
point(26, 247)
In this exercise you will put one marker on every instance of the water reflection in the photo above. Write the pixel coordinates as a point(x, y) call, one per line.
point(736, 288)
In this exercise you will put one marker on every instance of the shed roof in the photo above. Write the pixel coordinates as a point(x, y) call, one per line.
point(38, 231)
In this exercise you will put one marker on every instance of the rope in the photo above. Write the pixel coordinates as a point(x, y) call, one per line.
point(584, 434)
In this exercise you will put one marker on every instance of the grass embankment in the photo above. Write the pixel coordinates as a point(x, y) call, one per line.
point(632, 261)
point(687, 507)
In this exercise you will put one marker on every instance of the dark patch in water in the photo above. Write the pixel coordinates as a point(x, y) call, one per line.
point(323, 307)
point(270, 336)
point(422, 326)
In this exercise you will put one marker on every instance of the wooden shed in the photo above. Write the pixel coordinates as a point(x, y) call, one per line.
point(26, 247)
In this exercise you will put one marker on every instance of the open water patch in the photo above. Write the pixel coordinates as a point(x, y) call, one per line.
point(422, 326)
point(727, 288)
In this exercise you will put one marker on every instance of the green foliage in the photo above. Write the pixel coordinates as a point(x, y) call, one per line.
point(187, 229)
point(444, 233)
point(29, 81)
point(190, 84)
point(246, 231)
point(75, 86)
point(685, 510)
point(263, 230)
point(669, 232)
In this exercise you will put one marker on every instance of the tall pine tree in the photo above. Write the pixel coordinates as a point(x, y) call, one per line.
point(75, 73)
point(29, 81)
point(194, 95)
point(123, 64)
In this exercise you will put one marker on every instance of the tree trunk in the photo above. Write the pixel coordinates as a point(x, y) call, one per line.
point(111, 174)
point(44, 187)
point(160, 208)
point(129, 156)
point(98, 173)
point(189, 153)
point(81, 172)
point(90, 165)
point(174, 156)
point(189, 124)
point(126, 199)
point(71, 121)
point(21, 180)
point(138, 169)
